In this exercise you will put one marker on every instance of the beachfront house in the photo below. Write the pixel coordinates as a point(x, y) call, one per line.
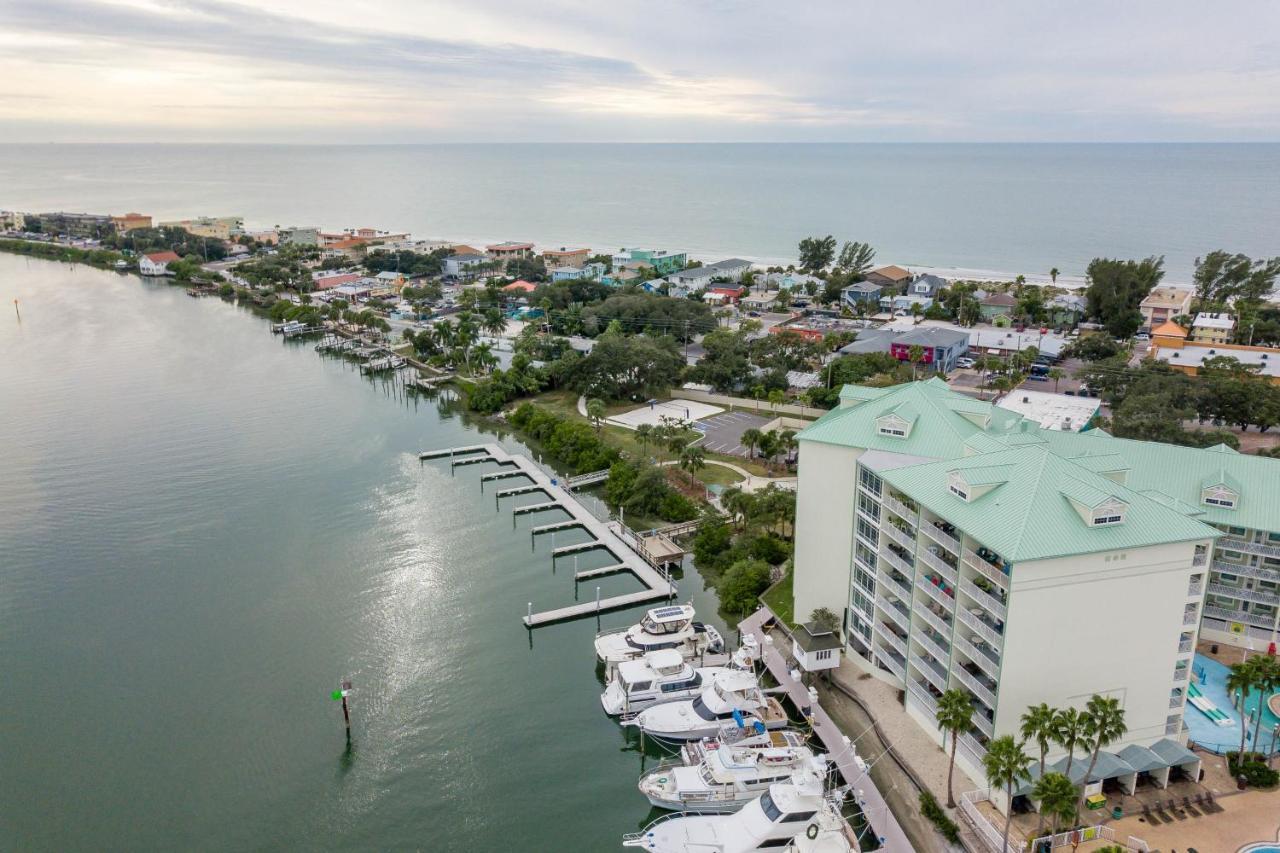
point(926, 285)
point(589, 272)
point(1164, 303)
point(995, 305)
point(509, 251)
point(863, 295)
point(461, 266)
point(1209, 328)
point(661, 260)
point(699, 278)
point(564, 258)
point(890, 276)
point(157, 263)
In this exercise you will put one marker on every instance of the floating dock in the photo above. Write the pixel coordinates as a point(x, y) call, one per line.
point(607, 536)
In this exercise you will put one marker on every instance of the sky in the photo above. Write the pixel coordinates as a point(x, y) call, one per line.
point(409, 71)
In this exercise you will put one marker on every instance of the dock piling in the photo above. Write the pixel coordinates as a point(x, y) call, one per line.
point(597, 599)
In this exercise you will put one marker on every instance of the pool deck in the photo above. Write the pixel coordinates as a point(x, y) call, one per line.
point(1205, 732)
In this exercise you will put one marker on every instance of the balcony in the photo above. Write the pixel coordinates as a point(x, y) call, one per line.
point(884, 632)
point(931, 670)
point(937, 534)
point(984, 723)
point(977, 686)
point(1257, 619)
point(1175, 699)
point(985, 658)
point(945, 601)
point(897, 612)
point(986, 631)
point(1190, 615)
point(905, 512)
point(893, 662)
point(1262, 572)
point(940, 623)
point(938, 564)
point(993, 605)
point(1173, 727)
point(975, 751)
point(1255, 595)
point(1231, 543)
point(1186, 647)
point(1195, 588)
point(995, 574)
point(895, 583)
point(1180, 673)
point(922, 695)
point(1199, 559)
point(933, 646)
point(897, 534)
point(897, 562)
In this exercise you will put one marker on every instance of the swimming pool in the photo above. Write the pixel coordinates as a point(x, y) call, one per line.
point(1260, 848)
point(1204, 731)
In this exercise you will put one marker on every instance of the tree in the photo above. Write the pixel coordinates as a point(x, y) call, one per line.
point(628, 367)
point(915, 355)
point(494, 323)
point(1053, 275)
point(1241, 678)
point(751, 439)
point(1037, 725)
point(1104, 725)
point(1056, 797)
point(825, 619)
point(816, 253)
point(1266, 678)
point(855, 259)
point(693, 458)
point(1057, 374)
point(1006, 764)
point(955, 716)
point(1221, 278)
point(1068, 729)
point(644, 434)
point(742, 584)
point(1115, 289)
point(596, 411)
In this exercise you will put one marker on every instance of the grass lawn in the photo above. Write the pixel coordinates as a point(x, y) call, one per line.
point(714, 475)
point(780, 599)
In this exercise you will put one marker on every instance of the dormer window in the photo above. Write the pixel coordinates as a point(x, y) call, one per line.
point(958, 487)
point(1108, 513)
point(893, 426)
point(1220, 496)
point(958, 491)
point(1101, 520)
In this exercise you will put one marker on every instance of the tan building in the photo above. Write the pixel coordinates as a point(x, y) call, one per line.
point(215, 228)
point(130, 221)
point(509, 251)
point(560, 258)
point(1163, 304)
point(1169, 344)
point(890, 276)
point(1213, 328)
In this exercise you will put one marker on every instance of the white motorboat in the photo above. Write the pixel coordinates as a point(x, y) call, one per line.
point(791, 816)
point(661, 676)
point(734, 695)
point(661, 628)
point(723, 774)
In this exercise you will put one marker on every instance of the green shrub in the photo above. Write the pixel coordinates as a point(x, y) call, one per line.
point(742, 584)
point(929, 808)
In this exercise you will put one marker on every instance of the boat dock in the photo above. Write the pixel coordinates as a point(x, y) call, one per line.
point(856, 773)
point(605, 535)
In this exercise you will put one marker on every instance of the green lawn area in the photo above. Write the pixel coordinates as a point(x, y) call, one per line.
point(714, 475)
point(780, 600)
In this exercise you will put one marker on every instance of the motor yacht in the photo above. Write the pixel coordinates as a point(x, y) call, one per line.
point(670, 627)
point(661, 676)
point(734, 695)
point(793, 816)
point(724, 773)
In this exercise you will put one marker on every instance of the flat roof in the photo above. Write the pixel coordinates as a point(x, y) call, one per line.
point(1052, 411)
point(1192, 354)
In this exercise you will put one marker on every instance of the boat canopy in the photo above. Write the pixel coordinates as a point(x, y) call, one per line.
point(664, 659)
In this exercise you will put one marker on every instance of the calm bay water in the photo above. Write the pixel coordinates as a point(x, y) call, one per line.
point(202, 530)
point(998, 207)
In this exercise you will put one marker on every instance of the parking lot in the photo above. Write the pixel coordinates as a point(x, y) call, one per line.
point(723, 432)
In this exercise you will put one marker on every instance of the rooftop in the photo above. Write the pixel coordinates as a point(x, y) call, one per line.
point(814, 638)
point(1194, 354)
point(1167, 297)
point(892, 272)
point(1214, 321)
point(1052, 411)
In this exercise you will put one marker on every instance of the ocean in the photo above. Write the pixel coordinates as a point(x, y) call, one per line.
point(984, 210)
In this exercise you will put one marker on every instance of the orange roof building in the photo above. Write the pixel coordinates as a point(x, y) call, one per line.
point(520, 286)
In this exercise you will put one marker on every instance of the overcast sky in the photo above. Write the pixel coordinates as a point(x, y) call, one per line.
point(660, 70)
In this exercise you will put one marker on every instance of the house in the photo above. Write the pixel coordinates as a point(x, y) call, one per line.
point(1164, 303)
point(997, 305)
point(351, 248)
point(816, 648)
point(520, 287)
point(509, 251)
point(699, 278)
point(462, 265)
point(758, 301)
point(940, 347)
point(1066, 309)
point(864, 295)
point(926, 285)
point(1170, 345)
point(300, 236)
point(555, 259)
point(1052, 411)
point(129, 221)
point(1212, 328)
point(12, 220)
point(661, 260)
point(157, 263)
point(903, 304)
point(589, 272)
point(213, 227)
point(722, 295)
point(322, 280)
point(789, 281)
point(392, 279)
point(84, 225)
point(1023, 565)
point(889, 276)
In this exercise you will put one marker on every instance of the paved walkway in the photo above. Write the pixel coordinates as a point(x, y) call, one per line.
point(750, 482)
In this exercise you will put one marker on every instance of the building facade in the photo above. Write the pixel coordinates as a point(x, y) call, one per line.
point(299, 236)
point(1162, 304)
point(156, 263)
point(554, 259)
point(213, 227)
point(661, 260)
point(1212, 328)
point(969, 548)
point(129, 221)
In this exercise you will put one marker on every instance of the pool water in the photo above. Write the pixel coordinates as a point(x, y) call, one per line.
point(1212, 680)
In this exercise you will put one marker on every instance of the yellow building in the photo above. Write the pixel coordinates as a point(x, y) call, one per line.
point(215, 228)
point(561, 258)
point(130, 221)
point(1212, 328)
point(1169, 344)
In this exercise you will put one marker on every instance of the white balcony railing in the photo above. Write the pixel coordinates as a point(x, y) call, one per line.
point(993, 605)
point(905, 512)
point(932, 646)
point(1262, 572)
point(898, 666)
point(1185, 647)
point(1254, 595)
point(1199, 559)
point(975, 751)
point(992, 573)
point(938, 564)
point(1190, 615)
point(984, 725)
point(1231, 543)
point(892, 638)
point(937, 534)
point(985, 661)
point(1180, 673)
point(930, 670)
point(896, 612)
point(897, 562)
point(946, 602)
point(942, 626)
point(1258, 619)
point(897, 587)
point(982, 629)
point(898, 535)
point(1175, 701)
point(922, 695)
point(979, 689)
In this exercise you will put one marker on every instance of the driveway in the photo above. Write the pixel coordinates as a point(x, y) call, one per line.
point(723, 432)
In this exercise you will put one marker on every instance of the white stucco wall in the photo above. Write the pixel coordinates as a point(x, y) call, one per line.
point(1106, 623)
point(824, 526)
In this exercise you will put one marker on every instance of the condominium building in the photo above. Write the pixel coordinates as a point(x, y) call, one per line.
point(661, 260)
point(213, 227)
point(1162, 304)
point(970, 548)
point(565, 258)
point(1212, 328)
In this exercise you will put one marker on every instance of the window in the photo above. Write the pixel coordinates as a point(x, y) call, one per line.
point(958, 492)
point(1236, 531)
point(867, 531)
point(1273, 537)
point(864, 554)
point(640, 685)
point(1222, 502)
point(869, 480)
point(861, 601)
point(869, 506)
point(865, 580)
point(1101, 520)
point(884, 430)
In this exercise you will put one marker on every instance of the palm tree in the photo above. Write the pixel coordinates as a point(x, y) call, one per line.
point(1104, 725)
point(1056, 797)
point(644, 434)
point(955, 715)
point(693, 459)
point(915, 355)
point(1006, 765)
point(482, 355)
point(1037, 725)
point(1053, 275)
point(494, 323)
point(595, 411)
point(1267, 679)
point(1056, 374)
point(776, 398)
point(751, 438)
point(1241, 678)
point(1068, 729)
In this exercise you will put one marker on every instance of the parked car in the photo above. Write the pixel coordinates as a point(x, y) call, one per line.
point(965, 362)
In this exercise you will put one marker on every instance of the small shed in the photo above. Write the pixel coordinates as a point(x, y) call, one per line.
point(816, 648)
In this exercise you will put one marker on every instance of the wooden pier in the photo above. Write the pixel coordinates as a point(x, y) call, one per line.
point(607, 536)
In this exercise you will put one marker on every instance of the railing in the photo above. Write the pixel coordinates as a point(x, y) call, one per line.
point(899, 588)
point(932, 646)
point(1173, 728)
point(1176, 701)
point(899, 535)
point(1180, 673)
point(1185, 646)
point(896, 612)
point(1240, 616)
point(937, 534)
point(984, 630)
point(1254, 595)
point(992, 837)
point(987, 661)
point(1191, 615)
point(1200, 559)
point(904, 511)
point(1195, 588)
point(1231, 543)
point(897, 562)
point(979, 689)
point(993, 604)
point(995, 574)
point(1262, 572)
point(942, 626)
point(883, 632)
point(923, 696)
point(975, 751)
point(946, 601)
point(936, 674)
point(988, 728)
point(939, 565)
point(898, 668)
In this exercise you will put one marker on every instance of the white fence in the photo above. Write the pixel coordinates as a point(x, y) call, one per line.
point(993, 838)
